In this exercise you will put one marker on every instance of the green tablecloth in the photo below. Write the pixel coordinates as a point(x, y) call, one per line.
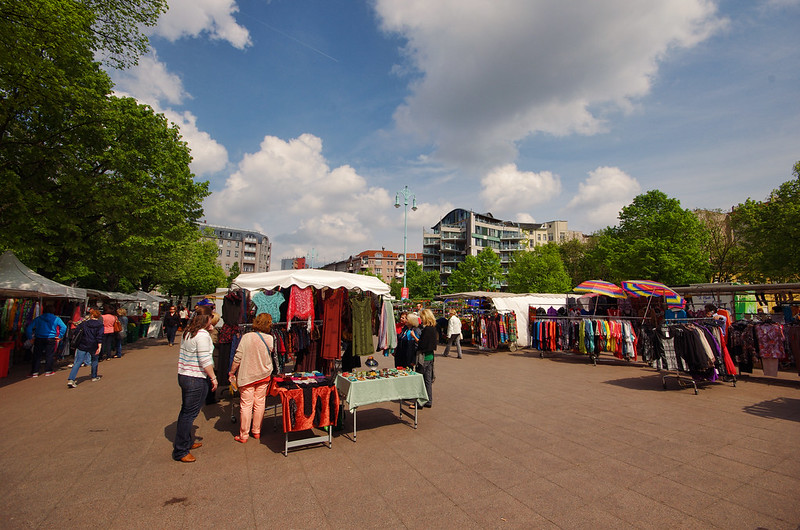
point(358, 393)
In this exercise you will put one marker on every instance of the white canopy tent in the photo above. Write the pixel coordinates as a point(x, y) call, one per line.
point(519, 303)
point(310, 278)
point(19, 281)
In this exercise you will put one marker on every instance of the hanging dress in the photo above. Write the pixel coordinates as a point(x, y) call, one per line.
point(301, 305)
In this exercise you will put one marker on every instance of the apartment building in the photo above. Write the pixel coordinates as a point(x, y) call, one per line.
point(250, 249)
point(463, 233)
point(383, 263)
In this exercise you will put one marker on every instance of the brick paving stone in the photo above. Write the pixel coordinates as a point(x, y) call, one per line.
point(513, 441)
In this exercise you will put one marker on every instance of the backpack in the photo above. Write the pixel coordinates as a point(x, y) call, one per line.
point(75, 336)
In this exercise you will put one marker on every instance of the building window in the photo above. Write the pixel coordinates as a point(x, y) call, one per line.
point(378, 272)
point(228, 253)
point(237, 244)
point(236, 254)
point(229, 243)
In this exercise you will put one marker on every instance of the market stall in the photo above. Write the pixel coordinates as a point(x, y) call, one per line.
point(518, 304)
point(310, 339)
point(24, 291)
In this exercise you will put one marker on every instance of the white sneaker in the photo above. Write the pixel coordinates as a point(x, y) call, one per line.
point(71, 383)
point(96, 378)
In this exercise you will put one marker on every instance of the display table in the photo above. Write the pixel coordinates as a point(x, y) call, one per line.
point(401, 388)
point(304, 407)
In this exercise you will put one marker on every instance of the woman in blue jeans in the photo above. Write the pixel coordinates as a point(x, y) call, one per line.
point(195, 365)
point(88, 350)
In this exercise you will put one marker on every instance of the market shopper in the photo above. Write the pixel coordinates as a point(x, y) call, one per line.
point(122, 316)
point(88, 350)
point(46, 330)
point(109, 337)
point(144, 323)
point(426, 348)
point(220, 362)
point(250, 371)
point(195, 367)
point(454, 333)
point(171, 322)
point(405, 355)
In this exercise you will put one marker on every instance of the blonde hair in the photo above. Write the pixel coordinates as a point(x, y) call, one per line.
point(426, 315)
point(122, 312)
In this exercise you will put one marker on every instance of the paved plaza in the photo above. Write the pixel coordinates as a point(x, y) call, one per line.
point(512, 441)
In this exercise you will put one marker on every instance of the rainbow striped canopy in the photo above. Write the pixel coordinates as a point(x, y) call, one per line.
point(600, 287)
point(651, 288)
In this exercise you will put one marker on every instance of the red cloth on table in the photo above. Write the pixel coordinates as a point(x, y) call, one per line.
point(303, 422)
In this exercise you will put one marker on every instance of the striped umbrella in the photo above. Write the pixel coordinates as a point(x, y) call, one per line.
point(600, 287)
point(651, 288)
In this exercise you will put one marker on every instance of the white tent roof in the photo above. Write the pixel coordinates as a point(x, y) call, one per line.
point(310, 278)
point(17, 280)
point(110, 295)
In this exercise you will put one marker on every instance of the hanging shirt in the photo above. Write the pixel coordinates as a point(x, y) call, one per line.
point(269, 304)
point(301, 305)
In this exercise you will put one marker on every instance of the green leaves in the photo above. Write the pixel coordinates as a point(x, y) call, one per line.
point(539, 271)
point(477, 273)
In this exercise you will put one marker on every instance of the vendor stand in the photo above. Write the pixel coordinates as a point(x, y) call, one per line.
point(327, 331)
point(389, 385)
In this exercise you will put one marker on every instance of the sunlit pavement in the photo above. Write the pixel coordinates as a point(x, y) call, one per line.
point(512, 440)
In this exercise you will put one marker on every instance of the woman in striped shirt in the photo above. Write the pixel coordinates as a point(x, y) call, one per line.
point(195, 364)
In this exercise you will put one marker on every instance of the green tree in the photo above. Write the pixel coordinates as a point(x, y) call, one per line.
point(769, 233)
point(540, 270)
point(233, 273)
point(395, 288)
point(194, 268)
point(726, 255)
point(421, 284)
point(655, 240)
point(93, 188)
point(476, 273)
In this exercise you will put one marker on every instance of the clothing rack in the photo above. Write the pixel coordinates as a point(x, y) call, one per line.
point(593, 356)
point(683, 380)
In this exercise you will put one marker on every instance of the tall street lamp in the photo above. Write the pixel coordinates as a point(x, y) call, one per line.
point(406, 193)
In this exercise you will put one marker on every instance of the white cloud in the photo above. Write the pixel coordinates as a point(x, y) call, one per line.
point(288, 191)
point(191, 18)
point(493, 73)
point(601, 197)
point(208, 156)
point(506, 188)
point(525, 218)
point(151, 83)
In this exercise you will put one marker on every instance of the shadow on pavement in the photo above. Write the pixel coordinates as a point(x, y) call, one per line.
point(779, 408)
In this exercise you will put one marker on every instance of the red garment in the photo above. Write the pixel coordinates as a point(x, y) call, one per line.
point(301, 305)
point(326, 394)
point(332, 325)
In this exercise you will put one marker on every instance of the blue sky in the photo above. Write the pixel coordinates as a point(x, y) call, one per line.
point(307, 116)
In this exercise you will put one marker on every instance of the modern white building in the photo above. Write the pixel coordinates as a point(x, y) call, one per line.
point(463, 233)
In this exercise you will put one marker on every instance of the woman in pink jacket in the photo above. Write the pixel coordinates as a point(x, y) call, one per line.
point(253, 362)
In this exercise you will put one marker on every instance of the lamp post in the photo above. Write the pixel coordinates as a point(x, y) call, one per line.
point(406, 193)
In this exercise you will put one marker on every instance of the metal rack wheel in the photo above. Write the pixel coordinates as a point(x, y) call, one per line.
point(512, 346)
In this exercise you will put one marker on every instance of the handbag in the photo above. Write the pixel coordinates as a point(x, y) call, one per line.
point(76, 335)
point(276, 367)
point(117, 326)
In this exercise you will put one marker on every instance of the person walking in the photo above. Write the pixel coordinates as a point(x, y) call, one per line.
point(171, 322)
point(184, 314)
point(195, 366)
point(88, 350)
point(250, 371)
point(454, 332)
point(428, 340)
point(144, 323)
point(46, 330)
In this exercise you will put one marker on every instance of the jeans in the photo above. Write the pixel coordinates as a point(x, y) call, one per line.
point(453, 338)
point(43, 348)
point(426, 369)
point(81, 357)
point(193, 394)
point(143, 328)
point(120, 339)
point(171, 331)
